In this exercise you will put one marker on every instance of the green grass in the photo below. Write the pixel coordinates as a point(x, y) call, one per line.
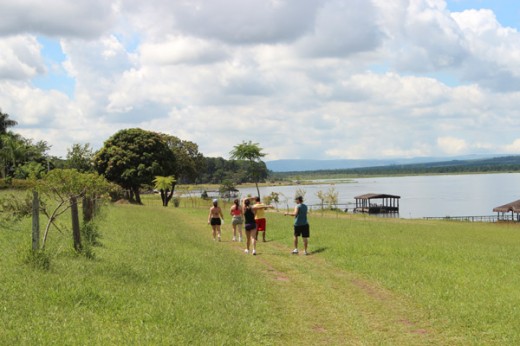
point(158, 278)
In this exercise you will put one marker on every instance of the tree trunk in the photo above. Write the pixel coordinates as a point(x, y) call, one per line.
point(169, 197)
point(88, 209)
point(137, 195)
point(76, 233)
point(164, 199)
point(130, 193)
point(257, 189)
point(35, 221)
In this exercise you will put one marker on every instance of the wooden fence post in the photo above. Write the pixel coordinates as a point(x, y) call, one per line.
point(76, 233)
point(35, 221)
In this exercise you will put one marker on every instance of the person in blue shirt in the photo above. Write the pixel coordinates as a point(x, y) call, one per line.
point(301, 226)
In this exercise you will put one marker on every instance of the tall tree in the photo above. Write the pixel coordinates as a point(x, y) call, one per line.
point(133, 157)
point(5, 122)
point(80, 157)
point(190, 162)
point(252, 153)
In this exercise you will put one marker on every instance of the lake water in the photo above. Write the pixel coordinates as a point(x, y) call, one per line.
point(421, 196)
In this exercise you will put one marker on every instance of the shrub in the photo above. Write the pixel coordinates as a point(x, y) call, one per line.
point(38, 259)
point(90, 233)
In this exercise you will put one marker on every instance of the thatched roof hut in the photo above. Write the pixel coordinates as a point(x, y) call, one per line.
point(513, 208)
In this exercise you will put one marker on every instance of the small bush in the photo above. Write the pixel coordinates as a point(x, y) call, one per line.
point(15, 208)
point(38, 259)
point(90, 234)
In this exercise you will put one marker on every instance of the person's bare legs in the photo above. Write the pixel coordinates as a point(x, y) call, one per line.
point(305, 242)
point(248, 240)
point(296, 242)
point(253, 239)
point(239, 227)
point(234, 227)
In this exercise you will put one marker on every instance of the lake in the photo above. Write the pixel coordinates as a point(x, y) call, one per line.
point(421, 196)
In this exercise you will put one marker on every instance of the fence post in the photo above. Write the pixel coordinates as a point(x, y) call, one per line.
point(35, 221)
point(76, 232)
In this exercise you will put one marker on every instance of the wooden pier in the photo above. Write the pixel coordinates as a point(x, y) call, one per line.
point(387, 204)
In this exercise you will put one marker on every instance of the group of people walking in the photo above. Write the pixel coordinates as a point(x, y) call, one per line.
point(252, 216)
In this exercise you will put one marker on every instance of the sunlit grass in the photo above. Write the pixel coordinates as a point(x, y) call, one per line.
point(158, 278)
point(463, 275)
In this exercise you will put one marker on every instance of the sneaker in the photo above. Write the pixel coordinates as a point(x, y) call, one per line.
point(305, 253)
point(234, 239)
point(254, 252)
point(246, 251)
point(240, 239)
point(295, 251)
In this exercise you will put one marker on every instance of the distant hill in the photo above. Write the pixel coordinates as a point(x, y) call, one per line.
point(319, 165)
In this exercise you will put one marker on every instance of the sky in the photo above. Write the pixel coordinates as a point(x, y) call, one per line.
point(305, 79)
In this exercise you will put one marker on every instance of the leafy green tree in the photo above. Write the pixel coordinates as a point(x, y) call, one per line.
point(227, 188)
point(190, 163)
point(166, 187)
point(252, 153)
point(80, 157)
point(29, 170)
point(16, 151)
point(134, 157)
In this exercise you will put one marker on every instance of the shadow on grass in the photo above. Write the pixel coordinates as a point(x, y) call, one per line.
point(318, 250)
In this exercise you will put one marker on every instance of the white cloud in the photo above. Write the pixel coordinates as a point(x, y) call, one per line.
point(342, 28)
point(246, 22)
point(513, 148)
point(79, 18)
point(181, 50)
point(20, 58)
point(451, 145)
point(494, 51)
point(305, 79)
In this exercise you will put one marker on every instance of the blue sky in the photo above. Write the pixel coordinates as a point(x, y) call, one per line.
point(56, 77)
point(506, 11)
point(310, 79)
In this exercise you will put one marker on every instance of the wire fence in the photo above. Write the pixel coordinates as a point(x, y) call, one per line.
point(478, 218)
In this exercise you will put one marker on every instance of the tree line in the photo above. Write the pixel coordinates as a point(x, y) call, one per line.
point(132, 158)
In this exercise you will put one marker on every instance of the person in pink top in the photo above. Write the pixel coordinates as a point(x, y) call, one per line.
point(236, 213)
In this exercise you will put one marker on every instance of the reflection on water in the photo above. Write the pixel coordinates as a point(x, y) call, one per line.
point(421, 196)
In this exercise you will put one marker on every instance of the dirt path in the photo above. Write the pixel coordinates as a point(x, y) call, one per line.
point(329, 306)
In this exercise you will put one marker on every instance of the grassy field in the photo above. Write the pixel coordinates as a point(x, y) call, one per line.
point(159, 279)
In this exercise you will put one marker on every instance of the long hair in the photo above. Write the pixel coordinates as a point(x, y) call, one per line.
point(237, 205)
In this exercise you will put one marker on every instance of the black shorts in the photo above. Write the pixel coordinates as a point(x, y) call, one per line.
point(303, 230)
point(250, 226)
point(215, 221)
